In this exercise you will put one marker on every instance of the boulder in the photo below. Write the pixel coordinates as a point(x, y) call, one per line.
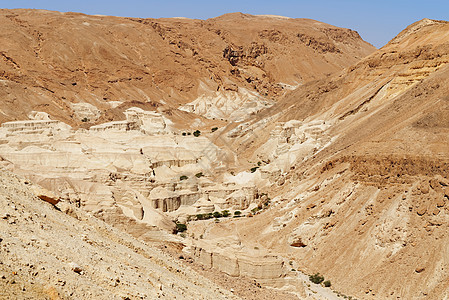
point(45, 194)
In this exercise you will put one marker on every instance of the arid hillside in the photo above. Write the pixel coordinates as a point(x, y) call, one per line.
point(61, 252)
point(260, 149)
point(365, 204)
point(55, 62)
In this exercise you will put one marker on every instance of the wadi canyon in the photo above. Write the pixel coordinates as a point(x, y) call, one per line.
point(224, 158)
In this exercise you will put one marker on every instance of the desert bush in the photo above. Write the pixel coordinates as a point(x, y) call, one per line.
point(237, 213)
point(317, 278)
point(217, 214)
point(197, 133)
point(225, 213)
point(327, 283)
point(254, 169)
point(183, 177)
point(203, 216)
point(181, 227)
point(214, 129)
point(198, 175)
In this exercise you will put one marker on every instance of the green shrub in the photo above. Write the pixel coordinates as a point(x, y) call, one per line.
point(189, 133)
point(317, 278)
point(198, 175)
point(181, 227)
point(203, 216)
point(197, 133)
point(184, 134)
point(254, 169)
point(84, 119)
point(217, 214)
point(327, 283)
point(254, 210)
point(214, 129)
point(183, 177)
point(237, 213)
point(225, 213)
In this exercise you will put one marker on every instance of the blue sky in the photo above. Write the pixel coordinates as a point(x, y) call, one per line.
point(376, 21)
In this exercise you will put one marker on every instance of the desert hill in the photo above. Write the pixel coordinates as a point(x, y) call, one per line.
point(79, 67)
point(64, 253)
point(364, 184)
point(282, 147)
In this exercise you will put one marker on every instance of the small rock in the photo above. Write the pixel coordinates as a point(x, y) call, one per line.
point(75, 268)
point(45, 195)
point(298, 243)
point(419, 269)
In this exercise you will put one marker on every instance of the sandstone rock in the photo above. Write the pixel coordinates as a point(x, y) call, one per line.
point(45, 195)
point(298, 243)
point(76, 268)
point(420, 269)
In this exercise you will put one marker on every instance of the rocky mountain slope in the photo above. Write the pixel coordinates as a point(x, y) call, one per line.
point(63, 253)
point(79, 67)
point(362, 187)
point(346, 175)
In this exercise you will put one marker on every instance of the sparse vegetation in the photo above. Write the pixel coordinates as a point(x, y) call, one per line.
point(183, 177)
point(316, 278)
point(216, 214)
point(204, 216)
point(181, 227)
point(255, 210)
